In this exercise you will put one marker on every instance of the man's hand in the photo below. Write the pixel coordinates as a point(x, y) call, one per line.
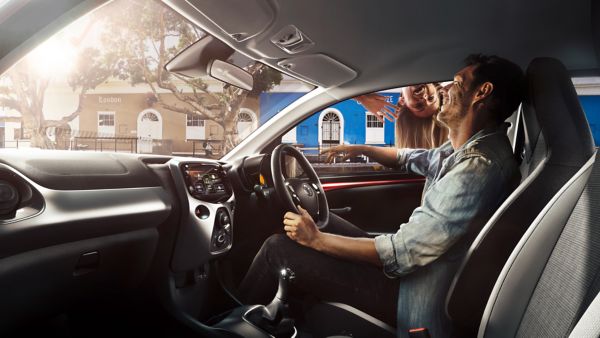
point(378, 105)
point(346, 151)
point(301, 228)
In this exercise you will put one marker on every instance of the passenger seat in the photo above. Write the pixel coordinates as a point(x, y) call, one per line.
point(553, 142)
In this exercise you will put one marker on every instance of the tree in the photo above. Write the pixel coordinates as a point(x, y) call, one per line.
point(146, 35)
point(23, 89)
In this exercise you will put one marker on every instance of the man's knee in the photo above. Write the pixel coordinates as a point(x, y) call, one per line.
point(280, 251)
point(275, 246)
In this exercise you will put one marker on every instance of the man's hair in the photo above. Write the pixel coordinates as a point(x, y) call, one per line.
point(508, 80)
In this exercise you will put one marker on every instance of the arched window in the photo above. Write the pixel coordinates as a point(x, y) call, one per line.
point(331, 127)
point(150, 116)
point(246, 123)
point(149, 124)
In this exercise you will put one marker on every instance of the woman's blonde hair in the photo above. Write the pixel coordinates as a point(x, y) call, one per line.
point(418, 133)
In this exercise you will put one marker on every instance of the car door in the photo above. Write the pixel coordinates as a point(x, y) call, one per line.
point(374, 197)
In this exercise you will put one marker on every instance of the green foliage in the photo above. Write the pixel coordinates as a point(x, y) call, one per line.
point(146, 35)
point(92, 69)
point(265, 80)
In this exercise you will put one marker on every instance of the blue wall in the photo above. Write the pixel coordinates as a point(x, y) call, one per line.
point(307, 131)
point(591, 106)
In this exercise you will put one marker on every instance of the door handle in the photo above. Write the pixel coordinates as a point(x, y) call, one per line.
point(339, 211)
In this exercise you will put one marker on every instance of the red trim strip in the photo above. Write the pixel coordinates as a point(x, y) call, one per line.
point(348, 185)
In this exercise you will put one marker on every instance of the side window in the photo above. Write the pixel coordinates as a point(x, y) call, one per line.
point(400, 117)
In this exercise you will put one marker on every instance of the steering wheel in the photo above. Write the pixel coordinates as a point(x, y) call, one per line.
point(306, 192)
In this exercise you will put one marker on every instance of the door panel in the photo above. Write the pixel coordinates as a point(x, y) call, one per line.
point(376, 204)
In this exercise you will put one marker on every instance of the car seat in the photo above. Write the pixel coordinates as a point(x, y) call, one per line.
point(553, 141)
point(552, 276)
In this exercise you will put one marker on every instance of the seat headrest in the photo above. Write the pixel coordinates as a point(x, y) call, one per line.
point(551, 97)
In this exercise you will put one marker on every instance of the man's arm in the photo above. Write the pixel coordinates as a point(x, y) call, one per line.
point(387, 156)
point(356, 249)
point(464, 198)
point(302, 229)
point(415, 161)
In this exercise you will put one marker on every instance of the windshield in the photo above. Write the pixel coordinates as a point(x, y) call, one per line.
point(100, 85)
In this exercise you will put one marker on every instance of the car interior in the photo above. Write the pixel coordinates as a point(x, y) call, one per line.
point(94, 243)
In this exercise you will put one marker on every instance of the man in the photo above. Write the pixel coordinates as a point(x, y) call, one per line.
point(467, 179)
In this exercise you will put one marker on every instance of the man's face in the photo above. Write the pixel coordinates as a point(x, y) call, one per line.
point(457, 97)
point(422, 100)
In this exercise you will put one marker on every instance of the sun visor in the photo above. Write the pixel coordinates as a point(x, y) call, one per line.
point(319, 69)
point(240, 19)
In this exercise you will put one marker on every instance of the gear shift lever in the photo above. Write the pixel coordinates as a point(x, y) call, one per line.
point(273, 317)
point(277, 309)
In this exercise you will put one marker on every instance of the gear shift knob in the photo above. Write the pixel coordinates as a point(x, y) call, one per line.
point(285, 277)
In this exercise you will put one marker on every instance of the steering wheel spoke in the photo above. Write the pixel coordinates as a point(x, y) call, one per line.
point(306, 191)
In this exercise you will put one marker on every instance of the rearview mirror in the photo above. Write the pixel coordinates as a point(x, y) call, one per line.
point(231, 74)
point(208, 56)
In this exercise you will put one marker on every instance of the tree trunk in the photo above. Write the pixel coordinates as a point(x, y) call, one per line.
point(230, 135)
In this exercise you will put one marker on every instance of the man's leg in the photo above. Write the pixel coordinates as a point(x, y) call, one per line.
point(261, 273)
point(360, 285)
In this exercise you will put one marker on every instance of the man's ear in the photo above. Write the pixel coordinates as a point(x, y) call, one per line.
point(483, 92)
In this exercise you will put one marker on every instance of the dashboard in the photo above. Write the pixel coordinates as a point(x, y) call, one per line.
point(101, 221)
point(206, 182)
point(207, 213)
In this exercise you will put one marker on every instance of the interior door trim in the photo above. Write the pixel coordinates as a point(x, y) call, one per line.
point(347, 185)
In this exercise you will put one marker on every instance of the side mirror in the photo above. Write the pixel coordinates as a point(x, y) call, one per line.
point(208, 56)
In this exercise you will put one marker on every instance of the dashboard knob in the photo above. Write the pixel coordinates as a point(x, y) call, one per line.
point(9, 197)
point(202, 212)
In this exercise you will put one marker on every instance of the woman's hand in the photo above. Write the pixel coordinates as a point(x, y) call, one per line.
point(378, 105)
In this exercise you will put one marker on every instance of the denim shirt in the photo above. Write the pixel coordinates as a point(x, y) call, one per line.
point(463, 188)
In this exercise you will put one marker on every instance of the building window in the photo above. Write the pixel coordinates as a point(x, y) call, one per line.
point(246, 123)
point(373, 121)
point(194, 129)
point(374, 133)
point(106, 120)
point(195, 121)
point(331, 128)
point(106, 124)
point(150, 116)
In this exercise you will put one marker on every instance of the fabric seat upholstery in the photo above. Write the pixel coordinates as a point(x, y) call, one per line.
point(553, 274)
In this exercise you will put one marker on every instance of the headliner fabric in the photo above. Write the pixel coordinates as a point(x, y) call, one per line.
point(570, 276)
